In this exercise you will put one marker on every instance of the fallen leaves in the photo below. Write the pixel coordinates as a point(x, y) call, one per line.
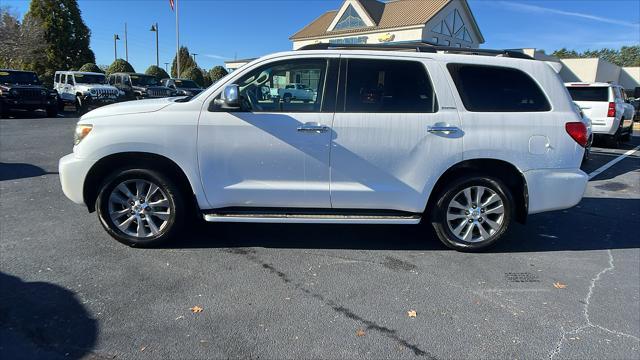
point(196, 309)
point(559, 285)
point(360, 333)
point(412, 313)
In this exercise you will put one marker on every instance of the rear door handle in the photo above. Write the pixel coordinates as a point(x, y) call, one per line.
point(313, 127)
point(442, 129)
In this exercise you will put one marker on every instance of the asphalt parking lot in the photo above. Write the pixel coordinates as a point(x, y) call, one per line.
point(565, 286)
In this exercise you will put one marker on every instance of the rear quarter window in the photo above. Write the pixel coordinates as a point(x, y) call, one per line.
point(589, 93)
point(497, 89)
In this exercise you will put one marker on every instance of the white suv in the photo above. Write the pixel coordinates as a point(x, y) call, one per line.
point(607, 107)
point(84, 90)
point(465, 142)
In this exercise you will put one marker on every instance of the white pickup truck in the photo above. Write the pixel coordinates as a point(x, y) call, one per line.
point(296, 92)
point(607, 107)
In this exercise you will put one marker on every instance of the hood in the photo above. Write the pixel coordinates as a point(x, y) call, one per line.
point(129, 107)
point(150, 87)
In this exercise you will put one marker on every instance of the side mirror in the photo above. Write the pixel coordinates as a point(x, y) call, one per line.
point(230, 98)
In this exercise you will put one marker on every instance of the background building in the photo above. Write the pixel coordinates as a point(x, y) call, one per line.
point(593, 70)
point(444, 22)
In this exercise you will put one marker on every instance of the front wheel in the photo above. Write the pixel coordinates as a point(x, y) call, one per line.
point(140, 207)
point(52, 111)
point(473, 213)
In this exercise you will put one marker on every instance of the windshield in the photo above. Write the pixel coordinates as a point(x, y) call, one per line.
point(89, 79)
point(186, 84)
point(19, 78)
point(143, 80)
point(589, 93)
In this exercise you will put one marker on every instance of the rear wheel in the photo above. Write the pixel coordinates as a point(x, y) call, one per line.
point(140, 207)
point(627, 137)
point(473, 213)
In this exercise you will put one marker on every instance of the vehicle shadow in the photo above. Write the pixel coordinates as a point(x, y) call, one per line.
point(595, 224)
point(13, 171)
point(40, 320)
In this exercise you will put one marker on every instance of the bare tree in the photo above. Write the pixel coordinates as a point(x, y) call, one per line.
point(21, 42)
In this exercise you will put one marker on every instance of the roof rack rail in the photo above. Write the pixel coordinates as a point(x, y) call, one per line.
point(419, 47)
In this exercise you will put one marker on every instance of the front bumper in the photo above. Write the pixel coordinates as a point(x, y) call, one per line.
point(73, 172)
point(554, 189)
point(28, 104)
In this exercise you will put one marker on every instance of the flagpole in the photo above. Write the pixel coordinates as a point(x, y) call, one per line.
point(177, 42)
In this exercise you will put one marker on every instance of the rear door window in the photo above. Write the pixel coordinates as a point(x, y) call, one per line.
point(388, 86)
point(589, 93)
point(497, 89)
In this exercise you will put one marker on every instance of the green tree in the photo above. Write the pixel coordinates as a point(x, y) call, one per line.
point(630, 55)
point(626, 56)
point(194, 74)
point(66, 37)
point(157, 72)
point(207, 79)
point(90, 67)
point(119, 65)
point(186, 63)
point(217, 73)
point(21, 42)
point(566, 54)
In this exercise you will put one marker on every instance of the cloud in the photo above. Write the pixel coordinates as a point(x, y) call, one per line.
point(540, 9)
point(214, 56)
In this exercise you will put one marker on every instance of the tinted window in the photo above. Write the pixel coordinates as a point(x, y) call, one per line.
point(497, 89)
point(272, 88)
point(589, 93)
point(384, 86)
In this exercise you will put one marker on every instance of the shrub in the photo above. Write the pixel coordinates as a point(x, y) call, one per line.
point(194, 74)
point(157, 72)
point(119, 65)
point(217, 73)
point(90, 67)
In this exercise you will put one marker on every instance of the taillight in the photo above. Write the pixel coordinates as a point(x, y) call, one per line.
point(578, 132)
point(612, 110)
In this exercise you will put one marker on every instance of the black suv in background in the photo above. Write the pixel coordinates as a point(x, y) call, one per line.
point(183, 86)
point(139, 86)
point(23, 90)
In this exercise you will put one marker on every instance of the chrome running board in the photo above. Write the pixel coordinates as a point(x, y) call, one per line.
point(263, 217)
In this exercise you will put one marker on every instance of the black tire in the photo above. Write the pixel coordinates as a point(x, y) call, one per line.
point(176, 205)
point(81, 109)
point(4, 112)
point(52, 111)
point(287, 98)
point(627, 137)
point(451, 191)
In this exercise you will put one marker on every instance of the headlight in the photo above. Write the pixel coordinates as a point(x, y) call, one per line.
point(93, 91)
point(44, 92)
point(82, 130)
point(14, 92)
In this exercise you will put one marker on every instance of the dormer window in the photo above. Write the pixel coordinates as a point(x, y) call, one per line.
point(350, 20)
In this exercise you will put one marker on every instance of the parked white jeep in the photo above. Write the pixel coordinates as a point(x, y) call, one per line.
point(84, 90)
point(296, 92)
point(608, 108)
point(466, 142)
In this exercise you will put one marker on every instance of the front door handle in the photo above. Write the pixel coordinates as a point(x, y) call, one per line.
point(313, 127)
point(443, 129)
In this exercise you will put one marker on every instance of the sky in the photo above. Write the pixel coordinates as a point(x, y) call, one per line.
point(219, 30)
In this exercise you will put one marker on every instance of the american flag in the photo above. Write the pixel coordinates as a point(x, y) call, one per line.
point(171, 4)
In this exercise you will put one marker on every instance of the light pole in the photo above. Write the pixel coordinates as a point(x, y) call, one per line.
point(126, 44)
point(154, 28)
point(166, 67)
point(194, 57)
point(115, 45)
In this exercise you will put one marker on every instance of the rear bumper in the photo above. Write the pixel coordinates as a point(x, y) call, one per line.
point(554, 189)
point(73, 172)
point(606, 126)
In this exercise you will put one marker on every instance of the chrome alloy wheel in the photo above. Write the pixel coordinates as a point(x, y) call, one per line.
point(475, 214)
point(139, 208)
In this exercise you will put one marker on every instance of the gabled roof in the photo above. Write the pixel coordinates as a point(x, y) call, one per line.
point(393, 14)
